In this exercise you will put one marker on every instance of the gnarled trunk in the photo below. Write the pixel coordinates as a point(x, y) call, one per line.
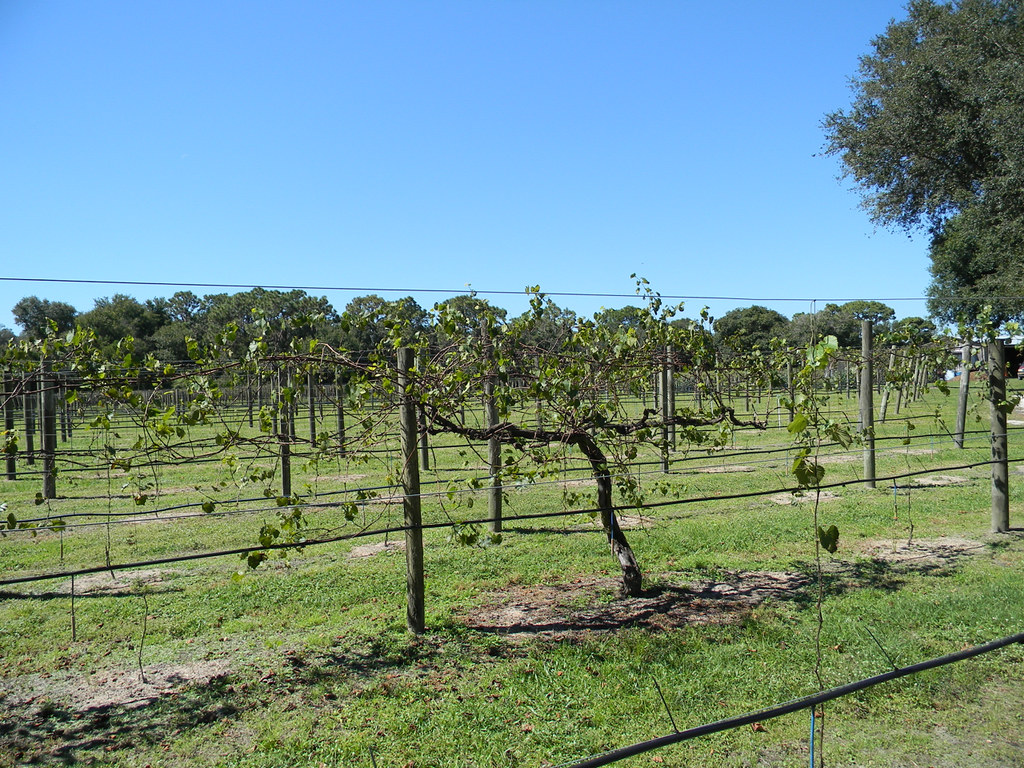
point(632, 578)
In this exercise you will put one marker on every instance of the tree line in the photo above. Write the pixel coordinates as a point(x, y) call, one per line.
point(163, 326)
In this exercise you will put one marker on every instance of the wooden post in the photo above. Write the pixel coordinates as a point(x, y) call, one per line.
point(8, 394)
point(962, 394)
point(915, 382)
point(421, 416)
point(663, 402)
point(997, 426)
point(311, 395)
point(494, 512)
point(867, 380)
point(340, 395)
point(414, 594)
point(284, 435)
point(48, 420)
point(28, 399)
point(887, 390)
point(670, 395)
point(248, 398)
point(790, 389)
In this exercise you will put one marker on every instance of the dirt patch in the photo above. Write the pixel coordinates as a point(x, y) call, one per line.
point(588, 482)
point(917, 451)
point(340, 478)
point(369, 550)
point(112, 687)
point(808, 497)
point(581, 606)
point(120, 583)
point(162, 517)
point(724, 470)
point(922, 551)
point(839, 458)
point(939, 480)
point(625, 522)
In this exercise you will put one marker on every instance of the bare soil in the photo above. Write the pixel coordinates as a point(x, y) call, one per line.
point(583, 606)
point(939, 480)
point(376, 548)
point(724, 470)
point(922, 552)
point(808, 497)
point(118, 583)
point(121, 687)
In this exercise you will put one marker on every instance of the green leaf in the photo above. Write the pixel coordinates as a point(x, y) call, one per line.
point(798, 424)
point(208, 507)
point(255, 558)
point(39, 499)
point(829, 538)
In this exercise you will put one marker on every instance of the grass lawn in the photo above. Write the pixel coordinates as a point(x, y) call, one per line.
point(531, 658)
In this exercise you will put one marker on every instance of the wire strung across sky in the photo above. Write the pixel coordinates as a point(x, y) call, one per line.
point(480, 291)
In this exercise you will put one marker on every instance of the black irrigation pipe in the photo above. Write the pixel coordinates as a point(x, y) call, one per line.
point(448, 524)
point(154, 513)
point(796, 705)
point(838, 484)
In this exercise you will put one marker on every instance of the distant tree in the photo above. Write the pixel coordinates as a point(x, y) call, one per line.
point(917, 329)
point(875, 311)
point(460, 316)
point(368, 320)
point(278, 317)
point(33, 315)
point(842, 321)
point(6, 335)
point(749, 328)
point(625, 317)
point(546, 326)
point(933, 139)
point(121, 316)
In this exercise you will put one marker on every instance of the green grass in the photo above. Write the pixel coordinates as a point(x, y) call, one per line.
point(322, 671)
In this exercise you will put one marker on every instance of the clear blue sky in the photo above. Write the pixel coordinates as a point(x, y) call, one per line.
point(435, 145)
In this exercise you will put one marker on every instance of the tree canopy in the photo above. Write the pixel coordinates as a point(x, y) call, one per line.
point(936, 133)
point(842, 321)
point(34, 314)
point(751, 327)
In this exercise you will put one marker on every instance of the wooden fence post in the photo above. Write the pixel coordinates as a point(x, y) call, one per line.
point(284, 434)
point(28, 409)
point(887, 389)
point(48, 421)
point(8, 394)
point(494, 511)
point(663, 404)
point(421, 416)
point(339, 391)
point(248, 398)
point(867, 409)
point(311, 394)
point(997, 426)
point(670, 394)
point(414, 586)
point(962, 394)
point(790, 388)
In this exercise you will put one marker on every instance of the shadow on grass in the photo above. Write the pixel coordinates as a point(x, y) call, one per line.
point(886, 573)
point(44, 733)
point(44, 596)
